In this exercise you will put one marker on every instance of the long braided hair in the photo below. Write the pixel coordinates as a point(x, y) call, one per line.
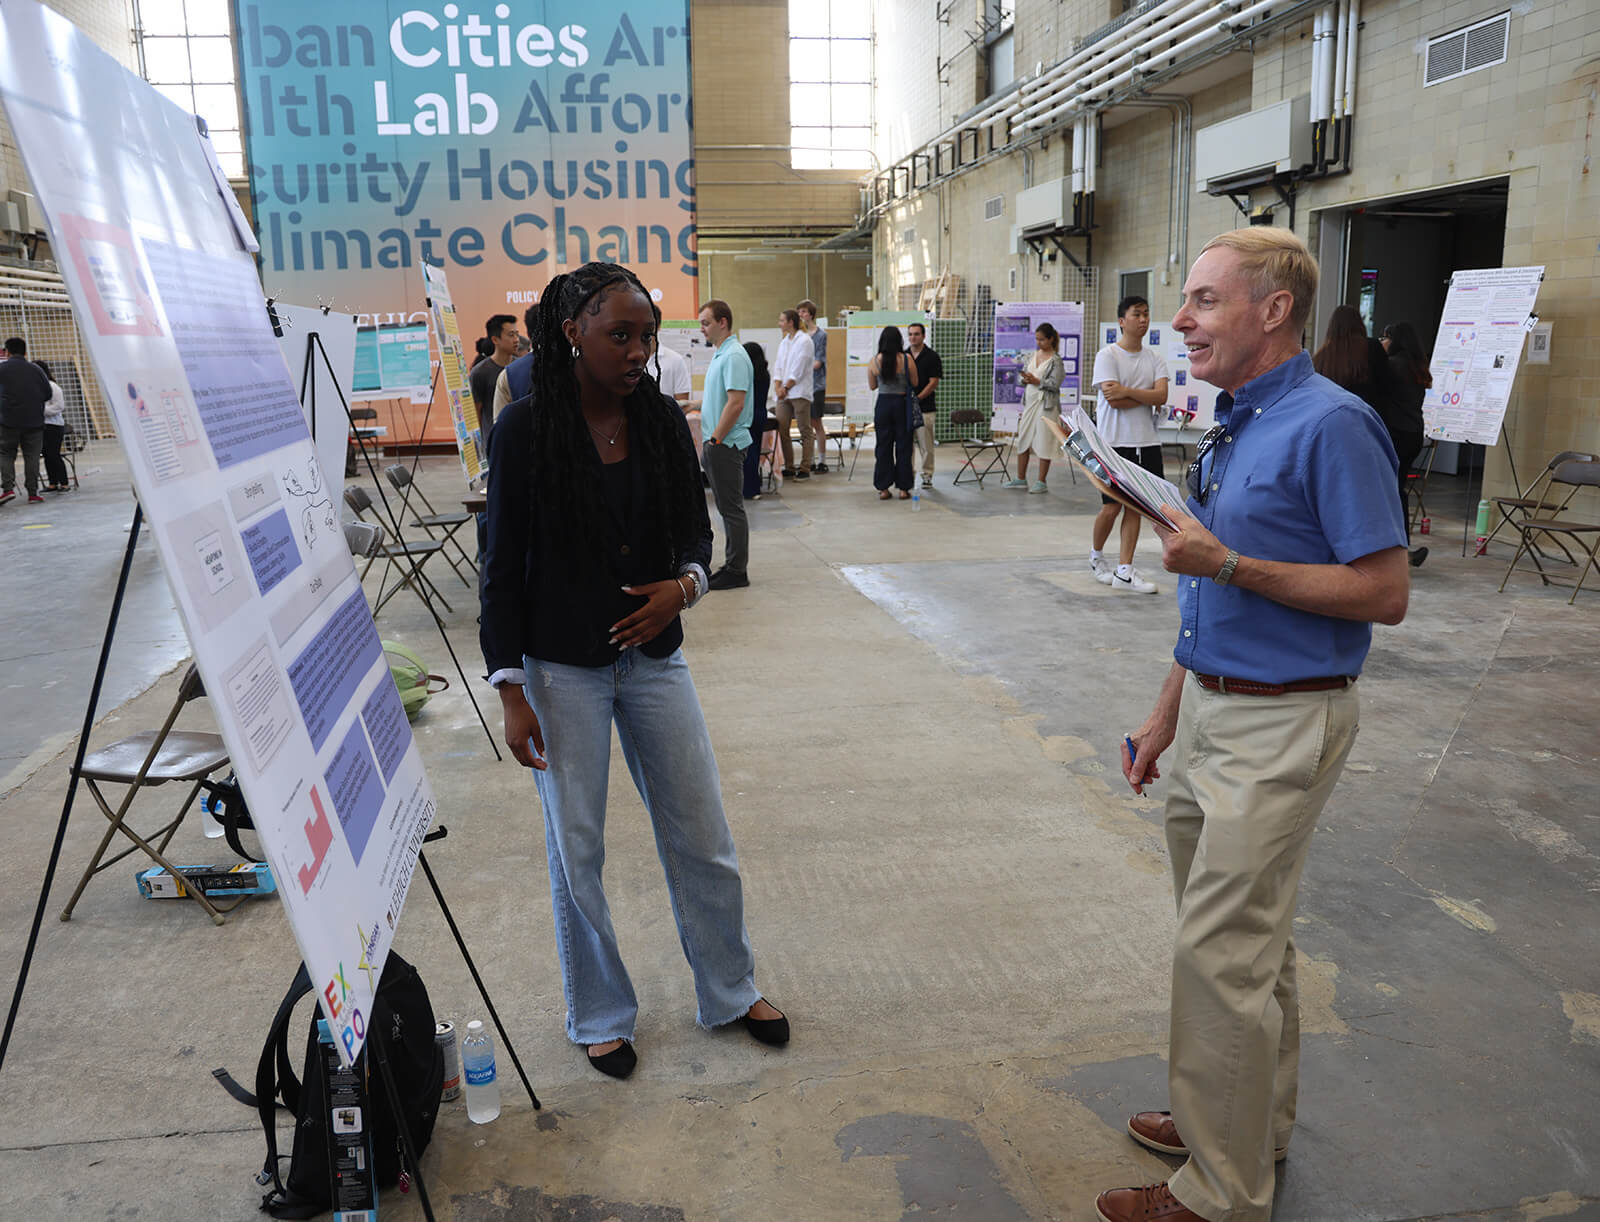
point(567, 502)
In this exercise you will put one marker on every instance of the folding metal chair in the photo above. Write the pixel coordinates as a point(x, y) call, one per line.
point(974, 448)
point(1585, 536)
point(145, 760)
point(408, 557)
point(1531, 500)
point(448, 523)
point(1416, 481)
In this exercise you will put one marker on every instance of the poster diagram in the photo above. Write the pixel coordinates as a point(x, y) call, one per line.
point(862, 332)
point(1475, 354)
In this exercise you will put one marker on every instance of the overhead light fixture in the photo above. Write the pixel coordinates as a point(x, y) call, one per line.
point(755, 258)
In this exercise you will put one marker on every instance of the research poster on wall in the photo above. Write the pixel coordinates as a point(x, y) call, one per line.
point(392, 361)
point(1486, 313)
point(246, 526)
point(504, 143)
point(863, 329)
point(1015, 323)
point(453, 368)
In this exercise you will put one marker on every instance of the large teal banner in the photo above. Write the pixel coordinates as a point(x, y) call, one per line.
point(506, 142)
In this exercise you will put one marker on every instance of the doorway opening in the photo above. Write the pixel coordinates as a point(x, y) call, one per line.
point(1392, 258)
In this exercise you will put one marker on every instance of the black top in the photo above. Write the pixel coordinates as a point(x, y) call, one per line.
point(482, 379)
point(928, 366)
point(1407, 417)
point(1380, 389)
point(24, 390)
point(530, 602)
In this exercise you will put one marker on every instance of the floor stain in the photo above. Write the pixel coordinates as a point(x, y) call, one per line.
point(1468, 913)
point(941, 1165)
point(533, 1205)
point(1556, 1205)
point(1583, 1009)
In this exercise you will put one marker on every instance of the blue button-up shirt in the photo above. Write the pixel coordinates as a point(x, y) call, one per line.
point(1303, 472)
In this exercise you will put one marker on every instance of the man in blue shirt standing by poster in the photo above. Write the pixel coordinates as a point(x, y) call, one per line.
point(1292, 547)
point(726, 409)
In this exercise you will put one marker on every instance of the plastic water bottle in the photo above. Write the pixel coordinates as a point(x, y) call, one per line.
point(1483, 518)
point(916, 498)
point(211, 816)
point(477, 1071)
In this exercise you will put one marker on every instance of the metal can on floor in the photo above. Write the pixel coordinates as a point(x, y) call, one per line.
point(444, 1035)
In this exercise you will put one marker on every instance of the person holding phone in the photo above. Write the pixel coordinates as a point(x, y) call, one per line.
point(598, 541)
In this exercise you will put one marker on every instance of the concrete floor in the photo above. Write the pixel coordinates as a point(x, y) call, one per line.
point(963, 910)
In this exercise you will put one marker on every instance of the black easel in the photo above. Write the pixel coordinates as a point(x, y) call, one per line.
point(308, 397)
point(72, 783)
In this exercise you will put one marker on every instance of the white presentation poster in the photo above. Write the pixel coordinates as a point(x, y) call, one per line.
point(222, 462)
point(321, 384)
point(683, 337)
point(1486, 313)
point(1191, 405)
point(863, 329)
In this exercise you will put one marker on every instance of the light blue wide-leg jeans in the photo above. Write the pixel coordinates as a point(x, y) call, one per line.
point(668, 751)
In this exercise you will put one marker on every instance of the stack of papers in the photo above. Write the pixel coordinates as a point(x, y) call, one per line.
point(1127, 481)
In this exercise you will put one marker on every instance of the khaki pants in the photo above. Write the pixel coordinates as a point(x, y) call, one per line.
point(797, 410)
point(925, 443)
point(1250, 776)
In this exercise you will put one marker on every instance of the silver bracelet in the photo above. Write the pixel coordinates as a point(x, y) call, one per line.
point(1225, 573)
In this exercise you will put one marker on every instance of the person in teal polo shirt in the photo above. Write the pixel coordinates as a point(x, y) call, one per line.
point(727, 409)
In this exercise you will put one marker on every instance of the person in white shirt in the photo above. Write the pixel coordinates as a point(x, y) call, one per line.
point(674, 380)
point(1131, 381)
point(55, 432)
point(791, 386)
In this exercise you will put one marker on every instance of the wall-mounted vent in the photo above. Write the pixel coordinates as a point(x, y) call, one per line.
point(907, 236)
point(994, 207)
point(1480, 45)
point(1011, 279)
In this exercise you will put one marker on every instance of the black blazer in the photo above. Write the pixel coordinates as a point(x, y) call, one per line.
point(529, 601)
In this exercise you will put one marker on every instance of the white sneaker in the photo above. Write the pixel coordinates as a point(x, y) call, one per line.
point(1102, 571)
point(1133, 583)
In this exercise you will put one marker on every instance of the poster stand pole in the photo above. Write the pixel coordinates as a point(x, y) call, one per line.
point(308, 388)
point(379, 1045)
point(1483, 479)
point(422, 859)
point(72, 783)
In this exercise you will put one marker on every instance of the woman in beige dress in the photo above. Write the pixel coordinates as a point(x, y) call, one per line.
point(1041, 400)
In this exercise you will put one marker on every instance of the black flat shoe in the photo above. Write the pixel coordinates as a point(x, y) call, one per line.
point(1417, 556)
point(618, 1063)
point(774, 1031)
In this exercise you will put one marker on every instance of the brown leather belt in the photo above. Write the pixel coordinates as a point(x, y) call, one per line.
point(1249, 687)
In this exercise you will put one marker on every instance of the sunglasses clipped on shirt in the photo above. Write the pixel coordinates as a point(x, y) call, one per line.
point(1198, 488)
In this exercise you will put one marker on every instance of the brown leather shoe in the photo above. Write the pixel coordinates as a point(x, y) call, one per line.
point(1156, 1130)
point(1152, 1203)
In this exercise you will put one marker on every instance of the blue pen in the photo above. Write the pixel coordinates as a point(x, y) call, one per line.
point(1133, 754)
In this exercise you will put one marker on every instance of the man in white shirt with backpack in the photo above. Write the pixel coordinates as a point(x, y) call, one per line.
point(1132, 381)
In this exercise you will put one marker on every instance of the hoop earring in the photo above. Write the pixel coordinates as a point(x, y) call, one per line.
point(576, 352)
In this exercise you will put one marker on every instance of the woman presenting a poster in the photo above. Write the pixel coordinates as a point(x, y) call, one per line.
point(1042, 399)
point(598, 541)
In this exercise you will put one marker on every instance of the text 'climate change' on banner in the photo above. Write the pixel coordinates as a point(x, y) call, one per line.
point(225, 471)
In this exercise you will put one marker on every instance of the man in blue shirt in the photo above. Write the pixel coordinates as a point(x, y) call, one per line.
point(1291, 548)
point(726, 408)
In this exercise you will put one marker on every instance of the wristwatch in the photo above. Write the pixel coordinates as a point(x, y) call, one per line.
point(1225, 573)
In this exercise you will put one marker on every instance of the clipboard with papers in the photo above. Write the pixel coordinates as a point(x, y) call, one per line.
point(1124, 481)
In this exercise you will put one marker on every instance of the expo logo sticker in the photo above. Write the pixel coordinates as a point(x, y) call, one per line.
point(352, 1029)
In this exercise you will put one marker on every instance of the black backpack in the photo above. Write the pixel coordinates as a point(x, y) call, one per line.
point(404, 1016)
